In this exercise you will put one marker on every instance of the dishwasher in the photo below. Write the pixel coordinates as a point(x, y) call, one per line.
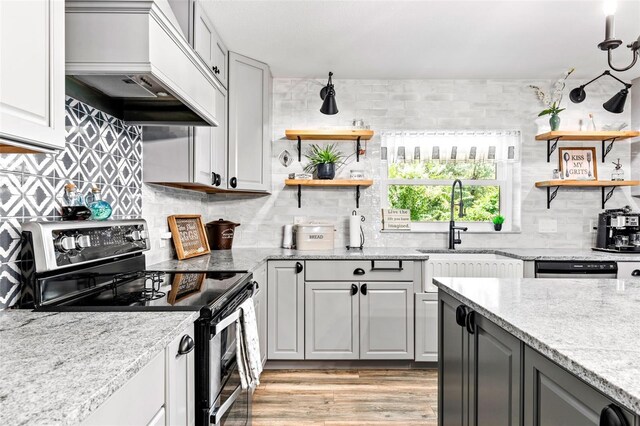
point(576, 269)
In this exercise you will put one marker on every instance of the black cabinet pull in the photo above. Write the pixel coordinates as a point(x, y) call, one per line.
point(635, 273)
point(358, 271)
point(461, 315)
point(186, 345)
point(612, 415)
point(354, 289)
point(233, 182)
point(373, 267)
point(471, 322)
point(218, 179)
point(298, 267)
point(215, 70)
point(213, 178)
point(363, 289)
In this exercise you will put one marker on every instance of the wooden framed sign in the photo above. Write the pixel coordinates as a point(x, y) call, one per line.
point(396, 219)
point(189, 236)
point(184, 285)
point(578, 163)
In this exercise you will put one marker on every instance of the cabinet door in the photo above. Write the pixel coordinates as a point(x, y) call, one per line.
point(494, 375)
point(426, 343)
point(219, 151)
point(386, 320)
point(260, 276)
point(32, 71)
point(180, 387)
point(202, 154)
point(452, 343)
point(249, 124)
point(285, 310)
point(203, 35)
point(555, 397)
point(331, 320)
point(220, 60)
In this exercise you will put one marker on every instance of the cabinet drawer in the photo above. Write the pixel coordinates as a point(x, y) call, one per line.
point(359, 270)
point(629, 270)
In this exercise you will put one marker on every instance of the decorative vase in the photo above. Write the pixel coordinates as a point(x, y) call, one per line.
point(497, 226)
point(326, 171)
point(554, 122)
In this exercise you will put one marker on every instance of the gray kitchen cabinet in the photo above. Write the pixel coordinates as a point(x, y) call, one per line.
point(479, 371)
point(249, 124)
point(386, 320)
point(180, 382)
point(260, 304)
point(285, 310)
point(555, 397)
point(331, 320)
point(426, 327)
point(32, 76)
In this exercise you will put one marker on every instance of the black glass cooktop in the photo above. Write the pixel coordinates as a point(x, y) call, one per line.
point(145, 290)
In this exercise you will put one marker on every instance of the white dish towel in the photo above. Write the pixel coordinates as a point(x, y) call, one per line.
point(248, 346)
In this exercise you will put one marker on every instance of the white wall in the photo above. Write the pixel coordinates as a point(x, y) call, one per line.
point(406, 105)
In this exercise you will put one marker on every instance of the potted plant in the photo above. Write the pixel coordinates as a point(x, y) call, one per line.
point(553, 99)
point(323, 161)
point(554, 120)
point(497, 222)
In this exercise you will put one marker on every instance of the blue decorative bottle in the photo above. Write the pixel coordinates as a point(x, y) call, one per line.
point(100, 209)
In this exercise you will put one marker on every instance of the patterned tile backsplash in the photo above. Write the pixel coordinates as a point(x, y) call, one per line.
point(100, 150)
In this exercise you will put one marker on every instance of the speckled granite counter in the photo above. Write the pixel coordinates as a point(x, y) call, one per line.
point(590, 327)
point(57, 368)
point(248, 259)
point(545, 254)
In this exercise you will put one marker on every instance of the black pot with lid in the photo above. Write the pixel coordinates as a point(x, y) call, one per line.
point(220, 234)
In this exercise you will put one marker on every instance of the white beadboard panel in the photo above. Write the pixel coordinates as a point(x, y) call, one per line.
point(485, 268)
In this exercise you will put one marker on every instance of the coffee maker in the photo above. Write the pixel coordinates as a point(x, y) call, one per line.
point(618, 231)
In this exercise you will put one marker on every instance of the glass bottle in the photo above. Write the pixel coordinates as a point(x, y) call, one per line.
point(100, 209)
point(617, 173)
point(73, 207)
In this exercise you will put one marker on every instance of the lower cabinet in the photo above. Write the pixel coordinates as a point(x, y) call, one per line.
point(426, 326)
point(285, 310)
point(555, 397)
point(180, 381)
point(260, 305)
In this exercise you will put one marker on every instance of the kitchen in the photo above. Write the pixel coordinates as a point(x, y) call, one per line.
point(406, 230)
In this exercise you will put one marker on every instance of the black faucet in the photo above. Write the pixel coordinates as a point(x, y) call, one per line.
point(452, 223)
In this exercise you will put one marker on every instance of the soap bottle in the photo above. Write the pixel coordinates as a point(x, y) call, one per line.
point(100, 209)
point(73, 207)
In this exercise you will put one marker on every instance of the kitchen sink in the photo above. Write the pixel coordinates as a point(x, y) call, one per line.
point(461, 255)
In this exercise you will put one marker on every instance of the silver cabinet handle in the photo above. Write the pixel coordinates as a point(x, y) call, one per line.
point(186, 345)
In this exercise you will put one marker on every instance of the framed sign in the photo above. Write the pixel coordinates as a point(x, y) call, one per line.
point(189, 236)
point(184, 285)
point(396, 219)
point(578, 163)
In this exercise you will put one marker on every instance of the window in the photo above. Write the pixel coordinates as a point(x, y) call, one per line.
point(419, 168)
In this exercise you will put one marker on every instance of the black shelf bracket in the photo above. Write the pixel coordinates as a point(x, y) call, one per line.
point(299, 150)
point(551, 147)
point(551, 194)
point(607, 148)
point(357, 196)
point(358, 149)
point(606, 194)
point(299, 196)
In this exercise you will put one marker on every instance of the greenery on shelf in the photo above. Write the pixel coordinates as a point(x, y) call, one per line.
point(498, 220)
point(322, 155)
point(431, 203)
point(554, 109)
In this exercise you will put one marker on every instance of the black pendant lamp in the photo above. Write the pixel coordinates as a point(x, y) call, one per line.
point(614, 105)
point(328, 95)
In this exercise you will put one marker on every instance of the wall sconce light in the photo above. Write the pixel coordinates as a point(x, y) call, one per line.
point(614, 105)
point(328, 95)
point(610, 42)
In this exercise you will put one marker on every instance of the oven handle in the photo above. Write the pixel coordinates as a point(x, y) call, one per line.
point(216, 414)
point(231, 318)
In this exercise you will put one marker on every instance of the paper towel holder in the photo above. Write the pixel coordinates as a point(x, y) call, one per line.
point(361, 246)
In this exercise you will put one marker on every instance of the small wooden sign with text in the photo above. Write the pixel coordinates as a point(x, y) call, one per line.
point(189, 236)
point(396, 219)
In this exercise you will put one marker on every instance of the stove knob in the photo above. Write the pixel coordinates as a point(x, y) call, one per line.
point(133, 235)
point(82, 241)
point(64, 244)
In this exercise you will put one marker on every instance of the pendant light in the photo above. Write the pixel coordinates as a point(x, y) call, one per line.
point(328, 95)
point(614, 105)
point(610, 42)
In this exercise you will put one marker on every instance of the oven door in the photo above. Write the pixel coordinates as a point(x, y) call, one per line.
point(232, 405)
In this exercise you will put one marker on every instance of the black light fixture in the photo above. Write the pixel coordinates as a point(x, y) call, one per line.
point(610, 42)
point(328, 95)
point(614, 105)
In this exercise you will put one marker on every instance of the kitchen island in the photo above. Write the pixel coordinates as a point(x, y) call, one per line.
point(536, 351)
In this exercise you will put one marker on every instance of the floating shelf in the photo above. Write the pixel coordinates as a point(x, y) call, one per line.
point(605, 137)
point(328, 183)
point(607, 186)
point(329, 134)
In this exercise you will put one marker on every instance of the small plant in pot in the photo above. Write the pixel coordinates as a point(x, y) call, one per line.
point(323, 161)
point(497, 222)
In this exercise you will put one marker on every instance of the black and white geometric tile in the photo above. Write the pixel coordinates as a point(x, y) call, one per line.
point(100, 150)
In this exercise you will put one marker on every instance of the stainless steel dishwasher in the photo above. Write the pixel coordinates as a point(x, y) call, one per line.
point(576, 269)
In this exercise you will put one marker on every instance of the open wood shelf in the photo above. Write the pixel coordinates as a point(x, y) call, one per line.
point(339, 135)
point(607, 187)
point(328, 183)
point(606, 137)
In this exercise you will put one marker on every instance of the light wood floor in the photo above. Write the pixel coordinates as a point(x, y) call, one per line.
point(346, 397)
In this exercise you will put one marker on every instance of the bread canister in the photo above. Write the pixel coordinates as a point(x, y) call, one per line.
point(315, 236)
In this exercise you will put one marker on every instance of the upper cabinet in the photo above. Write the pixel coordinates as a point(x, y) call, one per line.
point(32, 75)
point(249, 124)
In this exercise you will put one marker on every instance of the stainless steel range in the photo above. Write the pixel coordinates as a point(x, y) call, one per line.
point(100, 266)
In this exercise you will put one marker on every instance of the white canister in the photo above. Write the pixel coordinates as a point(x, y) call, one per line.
point(357, 174)
point(287, 237)
point(314, 236)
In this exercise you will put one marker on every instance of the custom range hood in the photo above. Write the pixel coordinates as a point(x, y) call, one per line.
point(128, 58)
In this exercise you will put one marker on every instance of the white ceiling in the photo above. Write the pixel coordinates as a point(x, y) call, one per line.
point(425, 39)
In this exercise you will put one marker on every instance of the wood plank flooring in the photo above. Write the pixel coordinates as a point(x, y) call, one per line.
point(346, 397)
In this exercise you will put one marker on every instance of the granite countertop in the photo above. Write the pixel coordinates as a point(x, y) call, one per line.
point(57, 368)
point(545, 254)
point(588, 326)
